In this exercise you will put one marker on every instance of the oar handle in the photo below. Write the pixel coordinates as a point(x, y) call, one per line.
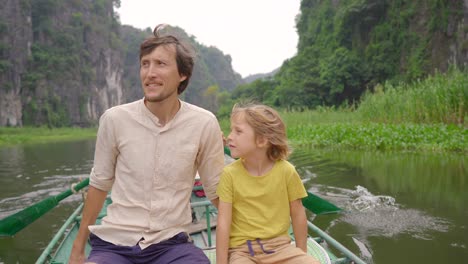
point(81, 185)
point(73, 189)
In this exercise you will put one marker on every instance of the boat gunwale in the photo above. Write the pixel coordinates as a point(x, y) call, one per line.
point(50, 254)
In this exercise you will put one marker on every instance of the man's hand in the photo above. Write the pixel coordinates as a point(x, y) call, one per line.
point(77, 256)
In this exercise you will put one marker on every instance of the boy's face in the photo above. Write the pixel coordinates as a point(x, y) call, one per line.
point(241, 140)
point(159, 74)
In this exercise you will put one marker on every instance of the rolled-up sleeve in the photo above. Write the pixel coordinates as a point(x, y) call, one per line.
point(211, 157)
point(102, 175)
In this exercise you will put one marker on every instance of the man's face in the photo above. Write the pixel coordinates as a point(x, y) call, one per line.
point(159, 74)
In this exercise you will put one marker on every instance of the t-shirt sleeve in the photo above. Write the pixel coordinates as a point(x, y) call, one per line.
point(224, 190)
point(296, 189)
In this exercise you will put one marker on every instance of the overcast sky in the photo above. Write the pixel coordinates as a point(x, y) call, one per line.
point(258, 34)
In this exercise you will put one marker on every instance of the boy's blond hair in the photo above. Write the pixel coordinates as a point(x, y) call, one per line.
point(266, 123)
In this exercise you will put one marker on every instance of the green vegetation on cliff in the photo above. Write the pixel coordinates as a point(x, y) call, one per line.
point(427, 115)
point(347, 48)
point(63, 63)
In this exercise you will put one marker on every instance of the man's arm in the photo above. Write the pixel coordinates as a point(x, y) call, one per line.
point(223, 230)
point(215, 202)
point(211, 158)
point(299, 223)
point(94, 200)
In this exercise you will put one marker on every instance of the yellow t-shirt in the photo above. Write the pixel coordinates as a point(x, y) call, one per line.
point(260, 204)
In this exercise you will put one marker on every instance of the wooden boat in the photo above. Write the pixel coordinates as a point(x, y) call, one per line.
point(202, 232)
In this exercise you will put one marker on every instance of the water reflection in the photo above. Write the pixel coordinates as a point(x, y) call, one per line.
point(31, 173)
point(39, 171)
point(399, 207)
point(410, 203)
point(438, 180)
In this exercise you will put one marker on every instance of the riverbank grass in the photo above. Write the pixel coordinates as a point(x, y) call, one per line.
point(379, 136)
point(427, 115)
point(30, 135)
point(347, 130)
point(440, 98)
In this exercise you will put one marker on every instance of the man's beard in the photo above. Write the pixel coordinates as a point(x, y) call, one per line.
point(159, 98)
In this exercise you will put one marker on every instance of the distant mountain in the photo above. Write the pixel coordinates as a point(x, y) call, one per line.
point(251, 78)
point(63, 63)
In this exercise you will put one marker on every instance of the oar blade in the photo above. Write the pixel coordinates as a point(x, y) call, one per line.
point(318, 205)
point(15, 222)
point(12, 224)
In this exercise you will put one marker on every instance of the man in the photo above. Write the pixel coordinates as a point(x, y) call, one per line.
point(148, 153)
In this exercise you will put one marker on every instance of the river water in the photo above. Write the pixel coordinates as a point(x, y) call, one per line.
point(398, 207)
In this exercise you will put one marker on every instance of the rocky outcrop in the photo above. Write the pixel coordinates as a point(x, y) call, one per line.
point(449, 44)
point(61, 62)
point(16, 39)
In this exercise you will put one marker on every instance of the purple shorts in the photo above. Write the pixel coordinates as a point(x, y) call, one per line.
point(177, 249)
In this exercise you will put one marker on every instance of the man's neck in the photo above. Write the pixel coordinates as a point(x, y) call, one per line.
point(164, 110)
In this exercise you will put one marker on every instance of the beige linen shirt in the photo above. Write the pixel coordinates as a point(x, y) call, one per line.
point(151, 170)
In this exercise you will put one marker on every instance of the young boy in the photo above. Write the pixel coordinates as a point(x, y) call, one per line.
point(260, 194)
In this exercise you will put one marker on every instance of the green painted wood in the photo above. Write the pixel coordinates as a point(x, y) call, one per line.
point(351, 257)
point(66, 243)
point(319, 206)
point(199, 204)
point(16, 222)
point(59, 249)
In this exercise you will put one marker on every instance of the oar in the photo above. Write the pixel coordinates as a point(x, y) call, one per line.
point(15, 222)
point(318, 205)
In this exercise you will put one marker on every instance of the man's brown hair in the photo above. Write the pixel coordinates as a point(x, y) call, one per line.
point(184, 55)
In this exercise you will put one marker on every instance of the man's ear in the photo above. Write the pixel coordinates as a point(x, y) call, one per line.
point(183, 78)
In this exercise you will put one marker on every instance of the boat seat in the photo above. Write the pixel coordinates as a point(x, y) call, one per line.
point(211, 254)
point(317, 251)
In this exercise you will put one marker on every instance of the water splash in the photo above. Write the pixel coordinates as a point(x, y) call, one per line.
point(365, 200)
point(380, 215)
point(365, 251)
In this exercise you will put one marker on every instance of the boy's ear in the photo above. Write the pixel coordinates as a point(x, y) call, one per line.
point(261, 141)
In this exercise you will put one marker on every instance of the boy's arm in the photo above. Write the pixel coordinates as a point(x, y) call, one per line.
point(223, 230)
point(299, 223)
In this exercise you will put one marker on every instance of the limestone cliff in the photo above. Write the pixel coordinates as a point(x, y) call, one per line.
point(15, 42)
point(63, 63)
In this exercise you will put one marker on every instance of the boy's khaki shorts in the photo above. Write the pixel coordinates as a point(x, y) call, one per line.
point(275, 250)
